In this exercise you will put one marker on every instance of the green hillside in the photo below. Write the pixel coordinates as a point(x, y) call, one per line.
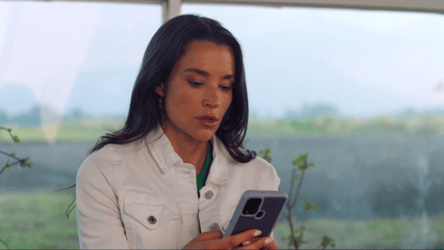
point(91, 130)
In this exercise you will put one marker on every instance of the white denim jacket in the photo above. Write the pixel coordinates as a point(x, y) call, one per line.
point(142, 194)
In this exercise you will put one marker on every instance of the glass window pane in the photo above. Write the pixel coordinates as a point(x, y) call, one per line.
point(361, 93)
point(65, 60)
point(67, 70)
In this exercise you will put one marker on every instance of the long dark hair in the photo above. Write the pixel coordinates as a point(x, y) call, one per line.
point(165, 48)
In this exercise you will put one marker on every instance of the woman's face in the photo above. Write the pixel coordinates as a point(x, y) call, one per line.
point(200, 84)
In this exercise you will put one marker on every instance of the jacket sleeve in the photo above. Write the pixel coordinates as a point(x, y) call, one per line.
point(99, 223)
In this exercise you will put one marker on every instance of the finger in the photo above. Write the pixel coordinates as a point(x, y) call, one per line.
point(272, 245)
point(261, 243)
point(210, 235)
point(250, 241)
point(236, 240)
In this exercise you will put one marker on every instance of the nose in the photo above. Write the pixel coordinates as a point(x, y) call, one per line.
point(212, 97)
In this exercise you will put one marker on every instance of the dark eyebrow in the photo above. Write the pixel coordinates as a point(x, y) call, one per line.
point(204, 73)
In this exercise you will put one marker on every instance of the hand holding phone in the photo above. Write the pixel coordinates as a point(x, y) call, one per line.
point(214, 240)
point(257, 209)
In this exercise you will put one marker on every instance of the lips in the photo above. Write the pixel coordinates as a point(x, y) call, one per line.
point(208, 121)
point(211, 118)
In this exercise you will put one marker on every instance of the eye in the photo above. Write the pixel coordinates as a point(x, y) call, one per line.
point(226, 88)
point(195, 83)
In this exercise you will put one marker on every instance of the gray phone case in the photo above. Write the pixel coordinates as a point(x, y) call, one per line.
point(271, 206)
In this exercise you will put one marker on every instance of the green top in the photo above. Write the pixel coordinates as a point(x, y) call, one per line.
point(202, 176)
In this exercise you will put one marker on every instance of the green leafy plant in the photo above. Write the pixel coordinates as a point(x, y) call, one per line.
point(23, 162)
point(301, 164)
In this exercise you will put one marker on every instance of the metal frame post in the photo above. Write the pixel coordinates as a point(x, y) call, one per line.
point(170, 9)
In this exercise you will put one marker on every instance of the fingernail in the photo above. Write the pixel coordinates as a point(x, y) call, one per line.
point(257, 233)
point(268, 240)
point(246, 243)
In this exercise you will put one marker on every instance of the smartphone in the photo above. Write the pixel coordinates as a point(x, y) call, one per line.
point(257, 209)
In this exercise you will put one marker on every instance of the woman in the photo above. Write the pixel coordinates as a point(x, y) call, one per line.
point(173, 175)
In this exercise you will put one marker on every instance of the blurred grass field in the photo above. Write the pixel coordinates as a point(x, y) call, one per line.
point(91, 130)
point(76, 130)
point(38, 221)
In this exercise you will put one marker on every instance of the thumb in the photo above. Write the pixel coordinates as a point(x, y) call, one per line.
point(211, 235)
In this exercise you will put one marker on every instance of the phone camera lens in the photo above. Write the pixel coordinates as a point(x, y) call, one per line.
point(252, 206)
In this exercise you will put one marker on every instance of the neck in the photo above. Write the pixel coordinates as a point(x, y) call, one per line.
point(190, 150)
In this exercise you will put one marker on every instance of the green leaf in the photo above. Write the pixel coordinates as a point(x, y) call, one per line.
point(302, 167)
point(296, 177)
point(8, 166)
point(296, 231)
point(13, 154)
point(311, 164)
point(16, 139)
point(333, 245)
point(306, 206)
point(315, 207)
point(303, 228)
point(298, 160)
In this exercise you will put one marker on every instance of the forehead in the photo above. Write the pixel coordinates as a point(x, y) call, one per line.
point(207, 56)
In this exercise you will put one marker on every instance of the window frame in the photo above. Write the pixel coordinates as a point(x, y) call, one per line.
point(172, 8)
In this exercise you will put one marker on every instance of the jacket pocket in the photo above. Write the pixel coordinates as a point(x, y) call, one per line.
point(151, 222)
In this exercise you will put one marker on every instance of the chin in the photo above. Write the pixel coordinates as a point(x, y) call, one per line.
point(205, 135)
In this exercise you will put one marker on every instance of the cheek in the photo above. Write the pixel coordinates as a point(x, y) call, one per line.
point(184, 103)
point(188, 100)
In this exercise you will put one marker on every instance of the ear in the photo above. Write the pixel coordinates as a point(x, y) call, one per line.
point(159, 90)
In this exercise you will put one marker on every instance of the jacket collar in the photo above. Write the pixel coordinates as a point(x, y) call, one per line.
point(162, 151)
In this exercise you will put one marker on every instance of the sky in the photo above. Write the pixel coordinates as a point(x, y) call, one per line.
point(69, 55)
